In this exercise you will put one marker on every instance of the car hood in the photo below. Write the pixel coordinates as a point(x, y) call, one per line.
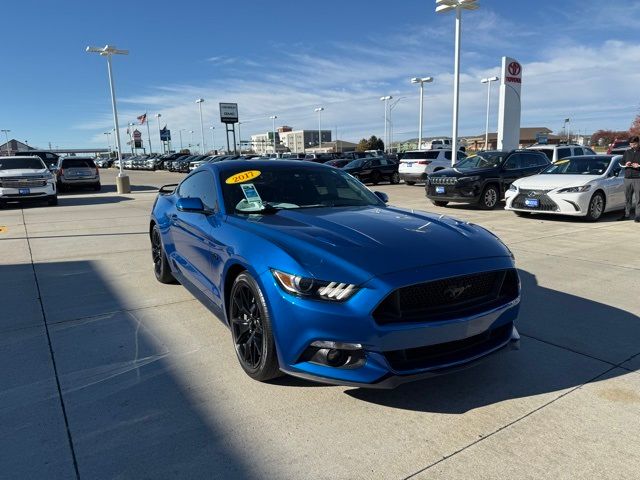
point(370, 241)
point(551, 182)
point(25, 172)
point(454, 172)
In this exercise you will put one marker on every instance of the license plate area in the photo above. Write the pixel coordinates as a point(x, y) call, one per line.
point(24, 191)
point(532, 202)
point(440, 189)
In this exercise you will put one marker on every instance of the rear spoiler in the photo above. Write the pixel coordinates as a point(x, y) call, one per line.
point(167, 189)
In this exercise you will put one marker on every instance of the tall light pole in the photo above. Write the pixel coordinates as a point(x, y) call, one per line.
point(191, 144)
point(213, 138)
point(385, 99)
point(200, 101)
point(486, 127)
point(108, 134)
point(180, 133)
point(122, 180)
point(273, 117)
point(158, 115)
point(444, 6)
point(319, 111)
point(421, 81)
point(6, 136)
point(391, 107)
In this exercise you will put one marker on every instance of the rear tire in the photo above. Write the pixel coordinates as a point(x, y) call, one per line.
point(395, 178)
point(489, 198)
point(375, 178)
point(439, 203)
point(161, 267)
point(97, 187)
point(407, 182)
point(251, 332)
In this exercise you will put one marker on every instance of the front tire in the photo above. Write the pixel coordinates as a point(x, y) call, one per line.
point(251, 329)
point(489, 198)
point(161, 267)
point(395, 178)
point(53, 200)
point(97, 187)
point(596, 207)
point(408, 182)
point(439, 203)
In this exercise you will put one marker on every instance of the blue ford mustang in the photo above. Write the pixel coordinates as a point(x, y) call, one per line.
point(318, 278)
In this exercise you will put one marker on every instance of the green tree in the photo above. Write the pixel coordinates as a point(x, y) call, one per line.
point(635, 127)
point(362, 145)
point(375, 143)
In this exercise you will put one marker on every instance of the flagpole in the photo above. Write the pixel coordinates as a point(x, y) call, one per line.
point(146, 120)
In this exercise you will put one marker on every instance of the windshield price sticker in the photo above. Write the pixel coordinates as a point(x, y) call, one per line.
point(243, 177)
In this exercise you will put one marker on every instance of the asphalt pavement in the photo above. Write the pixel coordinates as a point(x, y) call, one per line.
point(108, 374)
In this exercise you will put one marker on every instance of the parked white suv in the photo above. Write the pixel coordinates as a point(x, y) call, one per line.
point(416, 165)
point(26, 178)
point(560, 151)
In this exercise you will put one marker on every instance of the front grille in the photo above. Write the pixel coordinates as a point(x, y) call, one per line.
point(442, 180)
point(448, 298)
point(23, 182)
point(545, 204)
point(443, 354)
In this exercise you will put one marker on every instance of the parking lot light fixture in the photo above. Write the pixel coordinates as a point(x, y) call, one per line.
point(200, 101)
point(191, 144)
point(385, 99)
point(445, 6)
point(180, 133)
point(6, 136)
point(421, 81)
point(273, 117)
point(486, 127)
point(108, 51)
point(319, 112)
point(213, 138)
point(108, 134)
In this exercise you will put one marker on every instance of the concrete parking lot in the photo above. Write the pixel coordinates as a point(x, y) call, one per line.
point(108, 374)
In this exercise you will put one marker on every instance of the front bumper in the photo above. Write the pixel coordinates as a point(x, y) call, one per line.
point(574, 204)
point(413, 177)
point(297, 323)
point(13, 194)
point(79, 181)
point(466, 193)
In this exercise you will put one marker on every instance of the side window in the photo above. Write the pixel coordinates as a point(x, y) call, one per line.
point(461, 155)
point(578, 151)
point(202, 186)
point(375, 162)
point(564, 153)
point(447, 155)
point(588, 151)
point(542, 160)
point(513, 162)
point(384, 161)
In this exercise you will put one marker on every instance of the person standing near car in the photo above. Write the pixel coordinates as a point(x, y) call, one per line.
point(631, 162)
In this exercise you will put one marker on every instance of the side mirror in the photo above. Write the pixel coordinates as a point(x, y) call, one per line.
point(382, 196)
point(193, 205)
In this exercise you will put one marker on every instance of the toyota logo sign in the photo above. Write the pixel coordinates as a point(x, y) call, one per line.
point(514, 68)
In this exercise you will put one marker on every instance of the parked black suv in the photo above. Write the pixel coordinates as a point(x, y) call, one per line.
point(483, 178)
point(373, 170)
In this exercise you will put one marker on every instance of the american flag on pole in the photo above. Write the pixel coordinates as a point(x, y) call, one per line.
point(142, 118)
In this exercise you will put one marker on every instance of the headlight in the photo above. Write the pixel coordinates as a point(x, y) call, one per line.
point(313, 288)
point(583, 188)
point(513, 188)
point(474, 178)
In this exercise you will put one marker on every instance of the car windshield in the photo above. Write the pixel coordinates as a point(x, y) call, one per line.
point(276, 188)
point(547, 151)
point(481, 160)
point(19, 163)
point(578, 166)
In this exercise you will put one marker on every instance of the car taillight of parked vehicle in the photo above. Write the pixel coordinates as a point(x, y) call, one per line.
point(423, 162)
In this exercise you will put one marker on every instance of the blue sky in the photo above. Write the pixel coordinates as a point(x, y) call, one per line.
point(580, 60)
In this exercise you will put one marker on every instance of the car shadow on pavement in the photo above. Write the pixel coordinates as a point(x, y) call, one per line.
point(91, 200)
point(132, 410)
point(565, 339)
point(134, 188)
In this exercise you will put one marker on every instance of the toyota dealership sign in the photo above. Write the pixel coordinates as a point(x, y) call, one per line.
point(510, 104)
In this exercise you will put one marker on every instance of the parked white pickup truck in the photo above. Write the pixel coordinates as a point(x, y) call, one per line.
point(26, 178)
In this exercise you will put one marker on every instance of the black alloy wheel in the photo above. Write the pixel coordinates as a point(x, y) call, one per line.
point(440, 203)
point(489, 198)
point(161, 267)
point(251, 329)
point(395, 178)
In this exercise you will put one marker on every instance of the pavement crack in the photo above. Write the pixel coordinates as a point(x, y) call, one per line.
point(53, 357)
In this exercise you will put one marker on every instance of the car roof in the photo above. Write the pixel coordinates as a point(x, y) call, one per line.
point(232, 165)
